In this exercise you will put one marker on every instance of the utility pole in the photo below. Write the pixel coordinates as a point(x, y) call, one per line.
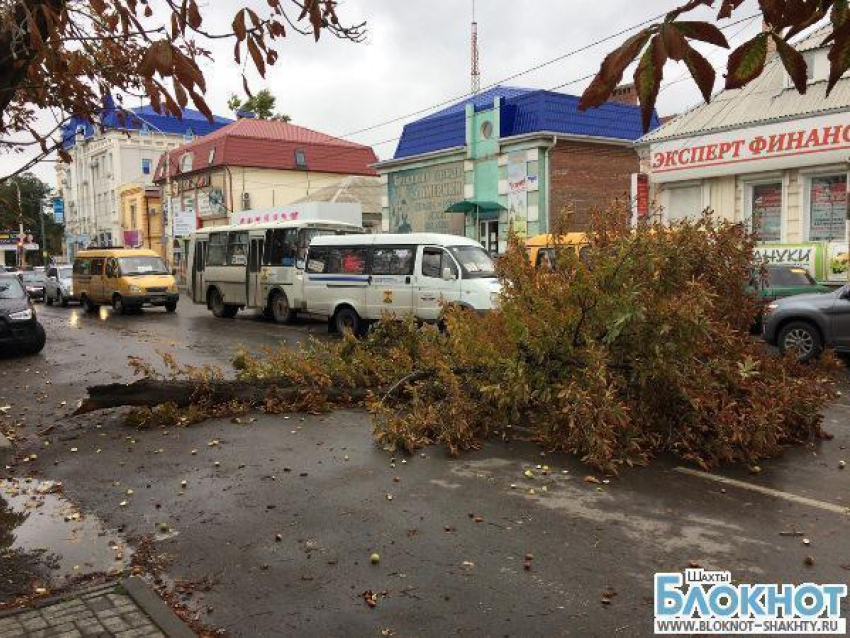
point(847, 222)
point(43, 235)
point(22, 259)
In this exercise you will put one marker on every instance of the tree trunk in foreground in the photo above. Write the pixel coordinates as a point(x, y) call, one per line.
point(154, 392)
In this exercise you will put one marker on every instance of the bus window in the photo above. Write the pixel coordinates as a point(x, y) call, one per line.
point(217, 249)
point(282, 247)
point(237, 249)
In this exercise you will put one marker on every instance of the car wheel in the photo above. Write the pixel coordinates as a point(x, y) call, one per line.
point(48, 299)
point(803, 338)
point(37, 344)
point(63, 301)
point(347, 320)
point(118, 305)
point(281, 312)
point(88, 306)
point(171, 306)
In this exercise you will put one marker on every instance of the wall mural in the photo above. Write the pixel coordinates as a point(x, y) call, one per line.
point(418, 199)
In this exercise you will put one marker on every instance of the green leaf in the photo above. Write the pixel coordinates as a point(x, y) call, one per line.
point(794, 63)
point(611, 71)
point(704, 32)
point(648, 77)
point(747, 62)
point(702, 72)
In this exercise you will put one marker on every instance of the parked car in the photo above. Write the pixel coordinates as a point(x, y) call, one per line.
point(19, 326)
point(33, 282)
point(807, 324)
point(59, 285)
point(786, 281)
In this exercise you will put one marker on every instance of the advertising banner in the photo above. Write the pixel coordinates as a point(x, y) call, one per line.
point(132, 238)
point(58, 210)
point(419, 197)
point(518, 193)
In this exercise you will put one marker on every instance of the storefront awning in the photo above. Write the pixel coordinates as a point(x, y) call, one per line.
point(472, 206)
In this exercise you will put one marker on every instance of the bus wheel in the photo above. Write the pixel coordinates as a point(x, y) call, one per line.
point(118, 305)
point(219, 308)
point(347, 320)
point(88, 306)
point(280, 310)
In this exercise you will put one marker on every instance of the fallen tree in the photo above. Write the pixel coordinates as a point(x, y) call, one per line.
point(639, 346)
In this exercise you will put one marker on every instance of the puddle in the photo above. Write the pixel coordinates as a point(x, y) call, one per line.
point(45, 542)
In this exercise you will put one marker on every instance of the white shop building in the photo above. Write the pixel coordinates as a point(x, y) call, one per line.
point(766, 156)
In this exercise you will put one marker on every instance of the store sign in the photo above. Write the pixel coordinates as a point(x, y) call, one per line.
point(184, 222)
point(306, 212)
point(419, 197)
point(58, 210)
point(802, 255)
point(132, 238)
point(640, 195)
point(838, 262)
point(792, 144)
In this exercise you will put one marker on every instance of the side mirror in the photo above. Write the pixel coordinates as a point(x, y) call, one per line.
point(448, 275)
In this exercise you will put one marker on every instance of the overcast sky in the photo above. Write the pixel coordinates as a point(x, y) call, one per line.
point(417, 55)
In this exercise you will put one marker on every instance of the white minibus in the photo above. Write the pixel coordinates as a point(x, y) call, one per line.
point(254, 266)
point(352, 280)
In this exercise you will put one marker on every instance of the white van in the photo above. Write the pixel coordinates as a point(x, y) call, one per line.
point(357, 278)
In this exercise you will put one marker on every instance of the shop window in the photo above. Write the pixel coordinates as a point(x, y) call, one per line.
point(766, 211)
point(827, 207)
point(684, 202)
point(396, 260)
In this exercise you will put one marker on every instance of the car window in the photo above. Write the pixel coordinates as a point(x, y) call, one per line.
point(395, 260)
point(32, 277)
point(434, 260)
point(52, 273)
point(10, 288)
point(66, 272)
point(788, 276)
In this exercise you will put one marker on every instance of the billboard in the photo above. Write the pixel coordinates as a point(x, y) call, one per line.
point(58, 210)
point(419, 197)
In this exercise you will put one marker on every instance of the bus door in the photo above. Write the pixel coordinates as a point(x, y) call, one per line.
point(199, 260)
point(256, 292)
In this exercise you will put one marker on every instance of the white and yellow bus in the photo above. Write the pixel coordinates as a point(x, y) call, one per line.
point(254, 266)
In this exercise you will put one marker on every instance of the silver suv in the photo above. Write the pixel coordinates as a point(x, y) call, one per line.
point(809, 323)
point(58, 285)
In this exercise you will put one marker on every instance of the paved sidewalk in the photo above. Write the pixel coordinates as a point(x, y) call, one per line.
point(105, 611)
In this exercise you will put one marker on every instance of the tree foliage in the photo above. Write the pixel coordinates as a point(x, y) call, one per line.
point(672, 40)
point(66, 56)
point(34, 194)
point(261, 104)
point(641, 346)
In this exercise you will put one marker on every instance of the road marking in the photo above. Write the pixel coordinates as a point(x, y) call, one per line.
point(802, 500)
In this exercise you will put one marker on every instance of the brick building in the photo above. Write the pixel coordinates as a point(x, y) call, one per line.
point(510, 158)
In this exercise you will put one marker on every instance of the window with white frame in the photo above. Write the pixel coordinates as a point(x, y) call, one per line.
point(827, 207)
point(766, 211)
point(683, 202)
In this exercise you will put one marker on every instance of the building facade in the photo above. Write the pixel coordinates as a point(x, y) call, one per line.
point(509, 158)
point(767, 157)
point(254, 165)
point(141, 218)
point(122, 147)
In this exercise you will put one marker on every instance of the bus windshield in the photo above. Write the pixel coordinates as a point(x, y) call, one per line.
point(133, 266)
point(475, 261)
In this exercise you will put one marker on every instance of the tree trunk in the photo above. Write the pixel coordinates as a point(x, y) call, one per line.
point(154, 392)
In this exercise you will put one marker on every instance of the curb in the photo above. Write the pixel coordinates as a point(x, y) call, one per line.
point(160, 613)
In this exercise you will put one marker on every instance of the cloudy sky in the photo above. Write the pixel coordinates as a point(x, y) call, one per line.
point(417, 55)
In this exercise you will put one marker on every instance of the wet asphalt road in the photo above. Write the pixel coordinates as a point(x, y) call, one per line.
point(322, 485)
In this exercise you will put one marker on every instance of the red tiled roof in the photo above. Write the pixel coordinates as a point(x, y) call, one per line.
point(270, 144)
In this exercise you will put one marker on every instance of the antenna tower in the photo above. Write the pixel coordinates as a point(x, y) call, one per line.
point(476, 70)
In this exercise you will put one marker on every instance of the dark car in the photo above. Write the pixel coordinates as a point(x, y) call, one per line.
point(19, 327)
point(785, 281)
point(807, 324)
point(33, 282)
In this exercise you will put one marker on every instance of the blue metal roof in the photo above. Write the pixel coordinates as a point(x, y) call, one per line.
point(524, 111)
point(113, 118)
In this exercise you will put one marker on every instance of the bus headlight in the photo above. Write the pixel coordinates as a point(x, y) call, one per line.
point(136, 290)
